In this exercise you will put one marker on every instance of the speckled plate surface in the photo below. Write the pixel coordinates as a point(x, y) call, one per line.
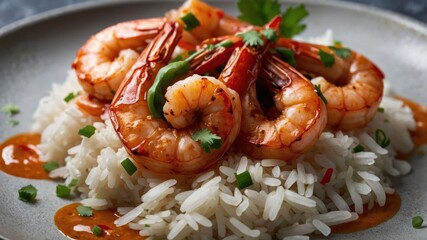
point(38, 51)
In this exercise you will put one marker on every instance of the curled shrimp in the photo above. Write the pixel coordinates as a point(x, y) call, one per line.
point(103, 61)
point(353, 85)
point(167, 146)
point(298, 119)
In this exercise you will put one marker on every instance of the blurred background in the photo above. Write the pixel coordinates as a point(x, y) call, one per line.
point(13, 10)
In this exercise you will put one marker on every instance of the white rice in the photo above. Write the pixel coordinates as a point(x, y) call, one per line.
point(285, 201)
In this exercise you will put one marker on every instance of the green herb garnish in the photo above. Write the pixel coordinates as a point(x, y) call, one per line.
point(327, 59)
point(97, 231)
point(243, 179)
point(417, 221)
point(226, 44)
point(71, 96)
point(337, 43)
point(318, 90)
point(73, 183)
point(291, 21)
point(341, 51)
point(87, 131)
point(50, 166)
point(27, 193)
point(381, 138)
point(251, 38)
point(128, 165)
point(146, 225)
point(258, 12)
point(63, 191)
point(10, 109)
point(358, 148)
point(190, 21)
point(12, 122)
point(207, 139)
point(270, 34)
point(380, 109)
point(84, 211)
point(287, 55)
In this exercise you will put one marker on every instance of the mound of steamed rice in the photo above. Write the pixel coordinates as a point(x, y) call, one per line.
point(286, 201)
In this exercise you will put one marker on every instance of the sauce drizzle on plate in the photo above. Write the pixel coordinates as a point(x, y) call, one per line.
point(371, 218)
point(20, 157)
point(67, 220)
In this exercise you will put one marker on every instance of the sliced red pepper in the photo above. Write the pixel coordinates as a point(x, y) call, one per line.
point(327, 177)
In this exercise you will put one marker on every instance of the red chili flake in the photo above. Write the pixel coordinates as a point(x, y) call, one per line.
point(104, 227)
point(220, 13)
point(327, 177)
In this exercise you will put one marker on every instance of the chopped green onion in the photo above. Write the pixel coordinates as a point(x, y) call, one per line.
point(97, 231)
point(243, 179)
point(71, 96)
point(327, 59)
point(207, 139)
point(190, 21)
point(341, 52)
point(50, 166)
point(270, 34)
point(380, 109)
point(320, 94)
point(10, 109)
point(63, 191)
point(129, 166)
point(210, 47)
point(288, 55)
point(417, 221)
point(12, 122)
point(73, 183)
point(87, 131)
point(358, 148)
point(226, 44)
point(27, 193)
point(84, 211)
point(381, 138)
point(146, 225)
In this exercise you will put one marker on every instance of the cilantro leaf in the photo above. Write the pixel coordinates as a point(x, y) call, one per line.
point(251, 38)
point(291, 22)
point(270, 34)
point(258, 12)
point(10, 109)
point(341, 51)
point(327, 59)
point(288, 55)
point(207, 139)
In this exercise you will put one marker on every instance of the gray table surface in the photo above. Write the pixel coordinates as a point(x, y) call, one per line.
point(13, 10)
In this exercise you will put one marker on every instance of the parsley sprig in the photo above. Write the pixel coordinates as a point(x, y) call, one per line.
point(207, 139)
point(259, 12)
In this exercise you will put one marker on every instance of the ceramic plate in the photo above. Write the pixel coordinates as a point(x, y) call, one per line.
point(38, 51)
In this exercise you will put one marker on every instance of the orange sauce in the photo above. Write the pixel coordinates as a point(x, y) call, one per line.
point(371, 218)
point(20, 157)
point(419, 136)
point(66, 218)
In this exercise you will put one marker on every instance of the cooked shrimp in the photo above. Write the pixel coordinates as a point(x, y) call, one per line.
point(167, 146)
point(298, 121)
point(213, 22)
point(103, 61)
point(352, 86)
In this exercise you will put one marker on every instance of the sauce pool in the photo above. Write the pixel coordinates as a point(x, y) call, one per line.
point(67, 220)
point(419, 136)
point(371, 218)
point(20, 157)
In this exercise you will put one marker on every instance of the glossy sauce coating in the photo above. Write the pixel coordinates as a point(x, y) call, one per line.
point(20, 157)
point(66, 218)
point(371, 218)
point(419, 136)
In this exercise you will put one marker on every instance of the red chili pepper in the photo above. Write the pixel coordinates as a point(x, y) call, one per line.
point(104, 227)
point(327, 177)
